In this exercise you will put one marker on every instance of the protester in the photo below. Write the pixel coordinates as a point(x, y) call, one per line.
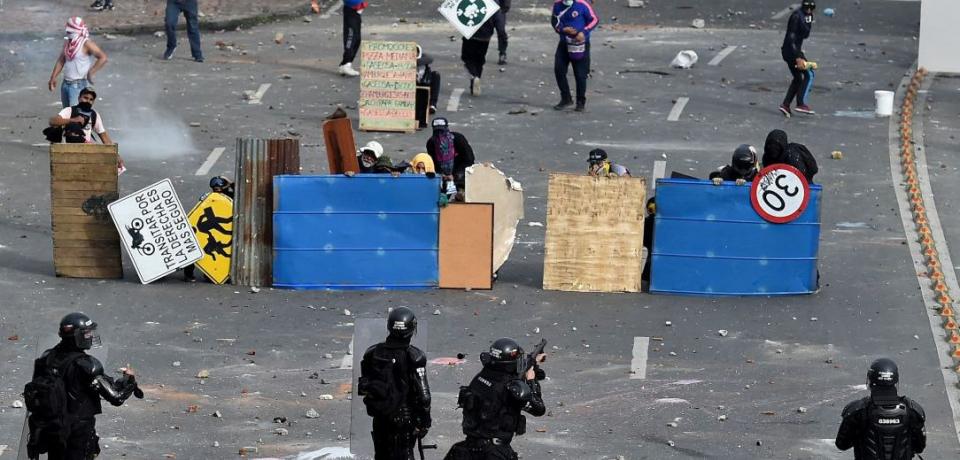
point(218, 184)
point(102, 5)
point(775, 147)
point(428, 77)
point(352, 9)
point(451, 153)
point(798, 29)
point(648, 227)
point(373, 161)
point(76, 62)
point(776, 150)
point(573, 20)
point(422, 164)
point(63, 396)
point(742, 167)
point(500, 23)
point(599, 165)
point(473, 53)
point(81, 121)
point(190, 11)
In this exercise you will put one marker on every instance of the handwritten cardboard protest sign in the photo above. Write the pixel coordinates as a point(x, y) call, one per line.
point(388, 86)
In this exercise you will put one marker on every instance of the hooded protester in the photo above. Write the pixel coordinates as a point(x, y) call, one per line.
point(422, 164)
point(777, 149)
point(774, 148)
point(742, 167)
point(451, 153)
point(76, 61)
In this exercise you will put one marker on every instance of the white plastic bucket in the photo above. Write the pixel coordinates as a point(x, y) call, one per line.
point(884, 103)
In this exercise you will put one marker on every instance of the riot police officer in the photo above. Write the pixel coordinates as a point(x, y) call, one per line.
point(493, 402)
point(64, 395)
point(883, 426)
point(393, 383)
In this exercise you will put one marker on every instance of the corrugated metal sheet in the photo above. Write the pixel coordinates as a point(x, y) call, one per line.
point(370, 231)
point(708, 240)
point(258, 160)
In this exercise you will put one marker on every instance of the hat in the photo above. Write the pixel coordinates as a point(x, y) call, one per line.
point(440, 123)
point(373, 147)
point(596, 156)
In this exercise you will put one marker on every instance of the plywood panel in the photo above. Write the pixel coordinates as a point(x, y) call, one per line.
point(341, 147)
point(466, 245)
point(487, 184)
point(594, 239)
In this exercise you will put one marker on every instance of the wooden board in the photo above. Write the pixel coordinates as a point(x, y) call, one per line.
point(388, 86)
point(466, 246)
point(83, 180)
point(594, 240)
point(487, 184)
point(341, 147)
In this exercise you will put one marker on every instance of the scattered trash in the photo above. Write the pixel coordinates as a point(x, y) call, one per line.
point(535, 224)
point(216, 414)
point(326, 397)
point(672, 424)
point(203, 374)
point(176, 364)
point(254, 289)
point(192, 409)
point(13, 338)
point(801, 410)
point(668, 323)
point(194, 124)
point(814, 318)
point(216, 443)
point(635, 3)
point(346, 312)
point(685, 59)
point(281, 431)
point(698, 23)
point(671, 443)
point(722, 332)
point(160, 34)
point(312, 413)
point(836, 155)
point(721, 418)
point(828, 12)
point(280, 419)
point(327, 356)
point(278, 38)
point(436, 312)
point(17, 404)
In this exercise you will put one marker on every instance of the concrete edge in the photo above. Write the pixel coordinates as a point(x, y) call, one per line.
point(939, 336)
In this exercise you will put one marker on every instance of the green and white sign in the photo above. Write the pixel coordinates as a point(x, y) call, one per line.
point(468, 15)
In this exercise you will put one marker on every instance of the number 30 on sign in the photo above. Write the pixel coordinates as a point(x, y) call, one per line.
point(780, 193)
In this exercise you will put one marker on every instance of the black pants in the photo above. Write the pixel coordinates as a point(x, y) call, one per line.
point(470, 450)
point(83, 444)
point(474, 55)
point(431, 79)
point(798, 86)
point(580, 70)
point(391, 442)
point(351, 34)
point(500, 23)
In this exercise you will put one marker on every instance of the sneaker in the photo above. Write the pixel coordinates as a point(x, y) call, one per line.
point(432, 109)
point(475, 86)
point(580, 107)
point(97, 5)
point(347, 70)
point(805, 109)
point(503, 59)
point(168, 54)
point(564, 103)
point(784, 109)
point(108, 6)
point(198, 59)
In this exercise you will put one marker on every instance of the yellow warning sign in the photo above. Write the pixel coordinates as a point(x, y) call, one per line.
point(212, 222)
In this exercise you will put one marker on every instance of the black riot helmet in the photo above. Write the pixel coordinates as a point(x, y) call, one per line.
point(883, 373)
point(402, 323)
point(808, 6)
point(505, 355)
point(219, 183)
point(744, 159)
point(596, 156)
point(79, 330)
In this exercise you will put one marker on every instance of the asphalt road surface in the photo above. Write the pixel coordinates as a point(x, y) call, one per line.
point(276, 353)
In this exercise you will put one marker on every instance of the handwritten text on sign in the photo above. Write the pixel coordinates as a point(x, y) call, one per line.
point(388, 86)
point(780, 193)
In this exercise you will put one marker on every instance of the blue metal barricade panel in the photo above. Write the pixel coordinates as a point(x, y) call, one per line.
point(708, 240)
point(363, 232)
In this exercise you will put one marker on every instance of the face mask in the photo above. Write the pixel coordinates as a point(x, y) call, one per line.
point(85, 106)
point(367, 162)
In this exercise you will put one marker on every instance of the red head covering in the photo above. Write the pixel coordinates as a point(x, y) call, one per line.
point(77, 34)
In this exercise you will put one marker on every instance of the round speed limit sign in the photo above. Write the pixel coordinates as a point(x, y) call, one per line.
point(780, 193)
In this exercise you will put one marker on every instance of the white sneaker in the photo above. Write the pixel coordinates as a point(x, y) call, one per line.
point(347, 70)
point(475, 86)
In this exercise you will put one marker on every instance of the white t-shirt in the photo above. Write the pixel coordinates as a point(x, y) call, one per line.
point(87, 129)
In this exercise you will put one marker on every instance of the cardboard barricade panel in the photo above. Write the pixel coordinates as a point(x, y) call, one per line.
point(709, 240)
point(388, 86)
point(487, 184)
point(370, 231)
point(155, 232)
point(594, 239)
point(212, 223)
point(83, 181)
point(466, 245)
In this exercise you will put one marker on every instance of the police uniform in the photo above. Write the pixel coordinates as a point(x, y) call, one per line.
point(887, 431)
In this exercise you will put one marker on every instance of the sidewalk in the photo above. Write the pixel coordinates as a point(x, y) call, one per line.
point(42, 18)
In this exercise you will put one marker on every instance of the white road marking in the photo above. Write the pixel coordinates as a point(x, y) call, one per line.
point(719, 57)
point(211, 159)
point(638, 366)
point(347, 362)
point(909, 229)
point(454, 102)
point(784, 12)
point(659, 171)
point(332, 10)
point(256, 96)
point(677, 108)
point(11, 91)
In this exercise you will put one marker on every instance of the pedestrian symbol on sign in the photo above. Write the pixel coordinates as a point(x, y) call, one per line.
point(471, 12)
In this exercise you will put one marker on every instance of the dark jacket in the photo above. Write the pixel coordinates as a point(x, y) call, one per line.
point(414, 362)
point(798, 29)
point(729, 173)
point(775, 148)
point(384, 165)
point(461, 162)
point(894, 432)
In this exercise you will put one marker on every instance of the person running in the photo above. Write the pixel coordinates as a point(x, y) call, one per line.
point(352, 9)
point(798, 29)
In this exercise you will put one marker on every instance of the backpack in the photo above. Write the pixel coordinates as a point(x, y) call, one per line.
point(384, 382)
point(73, 132)
point(798, 156)
point(46, 395)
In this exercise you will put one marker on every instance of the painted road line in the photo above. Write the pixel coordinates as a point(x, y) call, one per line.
point(333, 10)
point(677, 108)
point(211, 160)
point(454, 102)
point(784, 12)
point(12, 91)
point(659, 171)
point(255, 97)
point(347, 361)
point(719, 57)
point(909, 228)
point(638, 366)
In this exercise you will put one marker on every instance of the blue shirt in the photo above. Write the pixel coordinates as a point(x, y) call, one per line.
point(579, 15)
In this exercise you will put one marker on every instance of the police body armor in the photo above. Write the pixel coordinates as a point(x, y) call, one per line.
point(487, 412)
point(886, 429)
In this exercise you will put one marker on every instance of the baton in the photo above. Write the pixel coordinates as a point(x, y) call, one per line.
point(421, 446)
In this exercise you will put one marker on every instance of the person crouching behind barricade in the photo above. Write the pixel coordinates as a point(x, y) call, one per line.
point(601, 166)
point(372, 160)
point(742, 167)
point(422, 164)
point(452, 155)
point(76, 125)
point(218, 184)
